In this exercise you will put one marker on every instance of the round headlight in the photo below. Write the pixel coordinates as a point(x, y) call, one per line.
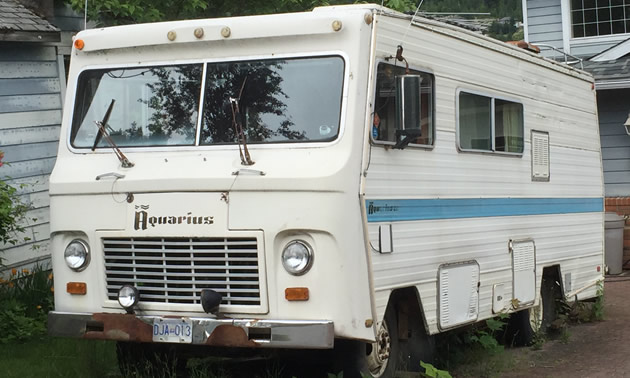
point(297, 257)
point(77, 255)
point(128, 296)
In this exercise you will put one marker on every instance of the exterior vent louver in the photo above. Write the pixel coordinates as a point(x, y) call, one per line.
point(175, 270)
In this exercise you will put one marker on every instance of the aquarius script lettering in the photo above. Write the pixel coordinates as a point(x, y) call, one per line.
point(373, 209)
point(144, 219)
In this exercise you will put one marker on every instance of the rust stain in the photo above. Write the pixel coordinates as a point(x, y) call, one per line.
point(230, 336)
point(122, 327)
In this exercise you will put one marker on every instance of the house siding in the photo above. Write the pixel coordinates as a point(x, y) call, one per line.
point(30, 118)
point(544, 23)
point(613, 108)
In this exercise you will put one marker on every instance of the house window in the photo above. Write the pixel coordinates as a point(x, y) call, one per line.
point(384, 121)
point(490, 124)
point(600, 17)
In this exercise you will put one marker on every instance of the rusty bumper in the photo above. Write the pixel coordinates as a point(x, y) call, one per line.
point(247, 333)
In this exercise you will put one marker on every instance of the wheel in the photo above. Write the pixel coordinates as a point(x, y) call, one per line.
point(382, 356)
point(525, 325)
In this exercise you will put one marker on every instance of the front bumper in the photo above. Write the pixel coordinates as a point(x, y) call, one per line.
point(247, 333)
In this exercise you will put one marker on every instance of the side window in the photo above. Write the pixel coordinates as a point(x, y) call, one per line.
point(384, 120)
point(490, 124)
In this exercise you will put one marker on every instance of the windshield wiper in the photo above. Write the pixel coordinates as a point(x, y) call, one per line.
point(102, 132)
point(238, 127)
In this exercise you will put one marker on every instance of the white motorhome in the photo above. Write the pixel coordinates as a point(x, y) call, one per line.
point(352, 173)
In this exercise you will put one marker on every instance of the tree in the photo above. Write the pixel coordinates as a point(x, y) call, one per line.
point(119, 12)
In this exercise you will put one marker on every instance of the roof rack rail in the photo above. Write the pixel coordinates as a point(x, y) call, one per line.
point(574, 59)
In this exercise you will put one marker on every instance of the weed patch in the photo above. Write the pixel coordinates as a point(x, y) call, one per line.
point(475, 352)
point(25, 299)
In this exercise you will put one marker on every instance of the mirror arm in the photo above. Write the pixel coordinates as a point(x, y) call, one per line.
point(409, 136)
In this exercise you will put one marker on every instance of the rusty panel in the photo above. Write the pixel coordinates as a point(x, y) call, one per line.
point(120, 327)
point(230, 336)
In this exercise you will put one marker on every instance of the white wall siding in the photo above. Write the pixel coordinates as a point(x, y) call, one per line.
point(30, 117)
point(554, 102)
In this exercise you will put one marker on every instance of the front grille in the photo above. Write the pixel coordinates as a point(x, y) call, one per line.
point(175, 270)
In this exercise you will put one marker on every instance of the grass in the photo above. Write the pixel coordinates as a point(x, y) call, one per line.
point(55, 357)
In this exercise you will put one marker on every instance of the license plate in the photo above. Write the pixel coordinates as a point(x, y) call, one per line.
point(172, 330)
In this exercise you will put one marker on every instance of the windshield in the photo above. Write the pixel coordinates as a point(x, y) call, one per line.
point(281, 100)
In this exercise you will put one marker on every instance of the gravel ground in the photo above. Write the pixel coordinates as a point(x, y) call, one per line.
point(599, 349)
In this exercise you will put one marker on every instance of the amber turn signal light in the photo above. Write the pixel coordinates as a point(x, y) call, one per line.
point(296, 293)
point(76, 288)
point(79, 44)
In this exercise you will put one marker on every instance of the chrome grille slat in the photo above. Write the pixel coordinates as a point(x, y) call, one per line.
point(175, 270)
point(251, 242)
point(172, 281)
point(187, 290)
point(112, 250)
point(177, 266)
point(185, 299)
point(177, 274)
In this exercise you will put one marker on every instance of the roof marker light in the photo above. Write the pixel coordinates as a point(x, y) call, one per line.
point(368, 18)
point(171, 35)
point(198, 33)
point(79, 44)
point(226, 32)
point(336, 25)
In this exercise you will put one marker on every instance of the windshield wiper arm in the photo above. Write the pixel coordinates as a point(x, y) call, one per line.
point(102, 132)
point(99, 133)
point(238, 127)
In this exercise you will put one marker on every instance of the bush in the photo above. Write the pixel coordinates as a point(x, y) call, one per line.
point(12, 212)
point(25, 299)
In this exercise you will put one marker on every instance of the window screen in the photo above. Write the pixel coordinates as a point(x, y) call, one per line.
point(490, 124)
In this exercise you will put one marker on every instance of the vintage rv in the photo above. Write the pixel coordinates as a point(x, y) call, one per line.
point(349, 173)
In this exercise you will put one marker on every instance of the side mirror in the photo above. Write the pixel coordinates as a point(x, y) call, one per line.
point(408, 109)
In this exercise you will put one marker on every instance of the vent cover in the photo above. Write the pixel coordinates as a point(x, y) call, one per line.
point(540, 156)
point(175, 270)
point(524, 270)
point(458, 293)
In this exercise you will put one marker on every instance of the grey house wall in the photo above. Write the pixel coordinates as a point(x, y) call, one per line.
point(544, 23)
point(614, 106)
point(30, 118)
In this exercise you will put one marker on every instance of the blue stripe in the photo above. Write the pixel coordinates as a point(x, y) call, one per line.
point(423, 209)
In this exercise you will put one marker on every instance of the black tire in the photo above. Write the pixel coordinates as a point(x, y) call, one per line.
point(524, 326)
point(551, 295)
point(519, 331)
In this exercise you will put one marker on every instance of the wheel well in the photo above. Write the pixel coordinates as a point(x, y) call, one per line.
point(552, 274)
point(408, 309)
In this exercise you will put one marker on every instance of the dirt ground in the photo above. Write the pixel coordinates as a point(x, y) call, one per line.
point(600, 349)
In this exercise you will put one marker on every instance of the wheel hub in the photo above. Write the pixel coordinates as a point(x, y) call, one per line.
point(381, 349)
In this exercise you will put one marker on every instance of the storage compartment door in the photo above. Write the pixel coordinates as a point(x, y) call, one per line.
point(524, 271)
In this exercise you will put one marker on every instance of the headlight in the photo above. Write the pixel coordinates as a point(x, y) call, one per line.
point(77, 255)
point(297, 257)
point(128, 296)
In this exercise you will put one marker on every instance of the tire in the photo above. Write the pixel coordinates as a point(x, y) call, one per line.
point(382, 357)
point(525, 325)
